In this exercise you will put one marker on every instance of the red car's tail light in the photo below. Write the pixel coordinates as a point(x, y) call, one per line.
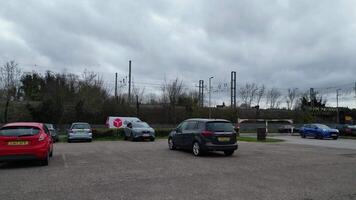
point(207, 133)
point(41, 138)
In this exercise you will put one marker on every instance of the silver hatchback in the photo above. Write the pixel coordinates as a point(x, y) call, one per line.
point(139, 131)
point(80, 131)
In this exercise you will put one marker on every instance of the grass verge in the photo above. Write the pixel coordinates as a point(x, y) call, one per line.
point(348, 137)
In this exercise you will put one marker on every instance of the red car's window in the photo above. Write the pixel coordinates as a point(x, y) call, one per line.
point(19, 131)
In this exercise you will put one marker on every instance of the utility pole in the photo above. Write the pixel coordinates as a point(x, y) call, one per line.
point(233, 89)
point(210, 96)
point(129, 93)
point(355, 94)
point(116, 86)
point(201, 93)
point(137, 107)
point(337, 106)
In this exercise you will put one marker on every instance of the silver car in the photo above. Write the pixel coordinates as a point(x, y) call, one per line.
point(53, 132)
point(139, 131)
point(80, 131)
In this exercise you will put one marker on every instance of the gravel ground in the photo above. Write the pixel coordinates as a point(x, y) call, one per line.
point(148, 170)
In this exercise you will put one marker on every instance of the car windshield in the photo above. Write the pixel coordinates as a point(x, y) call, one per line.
point(140, 125)
point(19, 131)
point(322, 126)
point(219, 126)
point(81, 126)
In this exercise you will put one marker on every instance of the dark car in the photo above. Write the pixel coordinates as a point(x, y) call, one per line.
point(346, 129)
point(319, 131)
point(286, 129)
point(53, 132)
point(203, 135)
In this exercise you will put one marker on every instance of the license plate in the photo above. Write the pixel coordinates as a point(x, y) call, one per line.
point(146, 135)
point(334, 134)
point(223, 139)
point(15, 143)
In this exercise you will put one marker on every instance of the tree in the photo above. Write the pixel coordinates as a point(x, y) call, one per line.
point(10, 80)
point(31, 86)
point(273, 98)
point(248, 93)
point(171, 91)
point(316, 100)
point(291, 96)
point(260, 94)
point(138, 92)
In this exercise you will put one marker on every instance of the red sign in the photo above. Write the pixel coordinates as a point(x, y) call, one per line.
point(117, 123)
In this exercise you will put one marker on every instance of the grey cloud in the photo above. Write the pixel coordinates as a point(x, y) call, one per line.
point(279, 43)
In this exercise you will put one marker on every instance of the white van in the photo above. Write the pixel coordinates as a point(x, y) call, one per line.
point(120, 122)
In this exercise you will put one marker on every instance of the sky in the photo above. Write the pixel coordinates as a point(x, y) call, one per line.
point(279, 43)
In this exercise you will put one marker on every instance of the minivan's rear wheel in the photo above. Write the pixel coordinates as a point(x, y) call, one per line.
point(171, 145)
point(228, 153)
point(196, 149)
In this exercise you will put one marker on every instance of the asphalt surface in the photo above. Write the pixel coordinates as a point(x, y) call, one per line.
point(339, 143)
point(148, 170)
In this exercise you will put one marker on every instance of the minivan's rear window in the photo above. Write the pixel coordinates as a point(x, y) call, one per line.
point(19, 131)
point(81, 126)
point(219, 127)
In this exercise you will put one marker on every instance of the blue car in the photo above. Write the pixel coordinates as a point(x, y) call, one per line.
point(319, 131)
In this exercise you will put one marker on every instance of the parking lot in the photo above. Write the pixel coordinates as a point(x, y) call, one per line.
point(148, 170)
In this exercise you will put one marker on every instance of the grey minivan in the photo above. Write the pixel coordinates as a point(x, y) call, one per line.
point(80, 131)
point(203, 135)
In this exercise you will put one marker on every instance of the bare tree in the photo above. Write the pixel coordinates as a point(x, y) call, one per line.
point(152, 98)
point(91, 78)
point(291, 97)
point(260, 93)
point(273, 98)
point(172, 90)
point(138, 92)
point(248, 93)
point(10, 80)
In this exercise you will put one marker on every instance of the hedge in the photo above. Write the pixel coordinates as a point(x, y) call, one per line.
point(112, 132)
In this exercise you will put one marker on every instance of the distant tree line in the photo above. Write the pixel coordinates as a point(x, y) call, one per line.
point(65, 97)
point(252, 94)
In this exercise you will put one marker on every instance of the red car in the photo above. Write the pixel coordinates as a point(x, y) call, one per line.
point(25, 141)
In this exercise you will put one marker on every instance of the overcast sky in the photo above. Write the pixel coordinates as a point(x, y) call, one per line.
point(280, 43)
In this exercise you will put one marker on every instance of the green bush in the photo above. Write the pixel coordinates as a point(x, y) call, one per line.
point(112, 132)
point(107, 132)
point(162, 132)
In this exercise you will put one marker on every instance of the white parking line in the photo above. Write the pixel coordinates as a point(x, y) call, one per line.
point(65, 161)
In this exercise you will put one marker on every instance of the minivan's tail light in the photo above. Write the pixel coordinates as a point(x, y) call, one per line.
point(207, 133)
point(41, 138)
point(71, 131)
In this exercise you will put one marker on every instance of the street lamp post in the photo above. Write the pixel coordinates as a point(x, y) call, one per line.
point(210, 96)
point(337, 106)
